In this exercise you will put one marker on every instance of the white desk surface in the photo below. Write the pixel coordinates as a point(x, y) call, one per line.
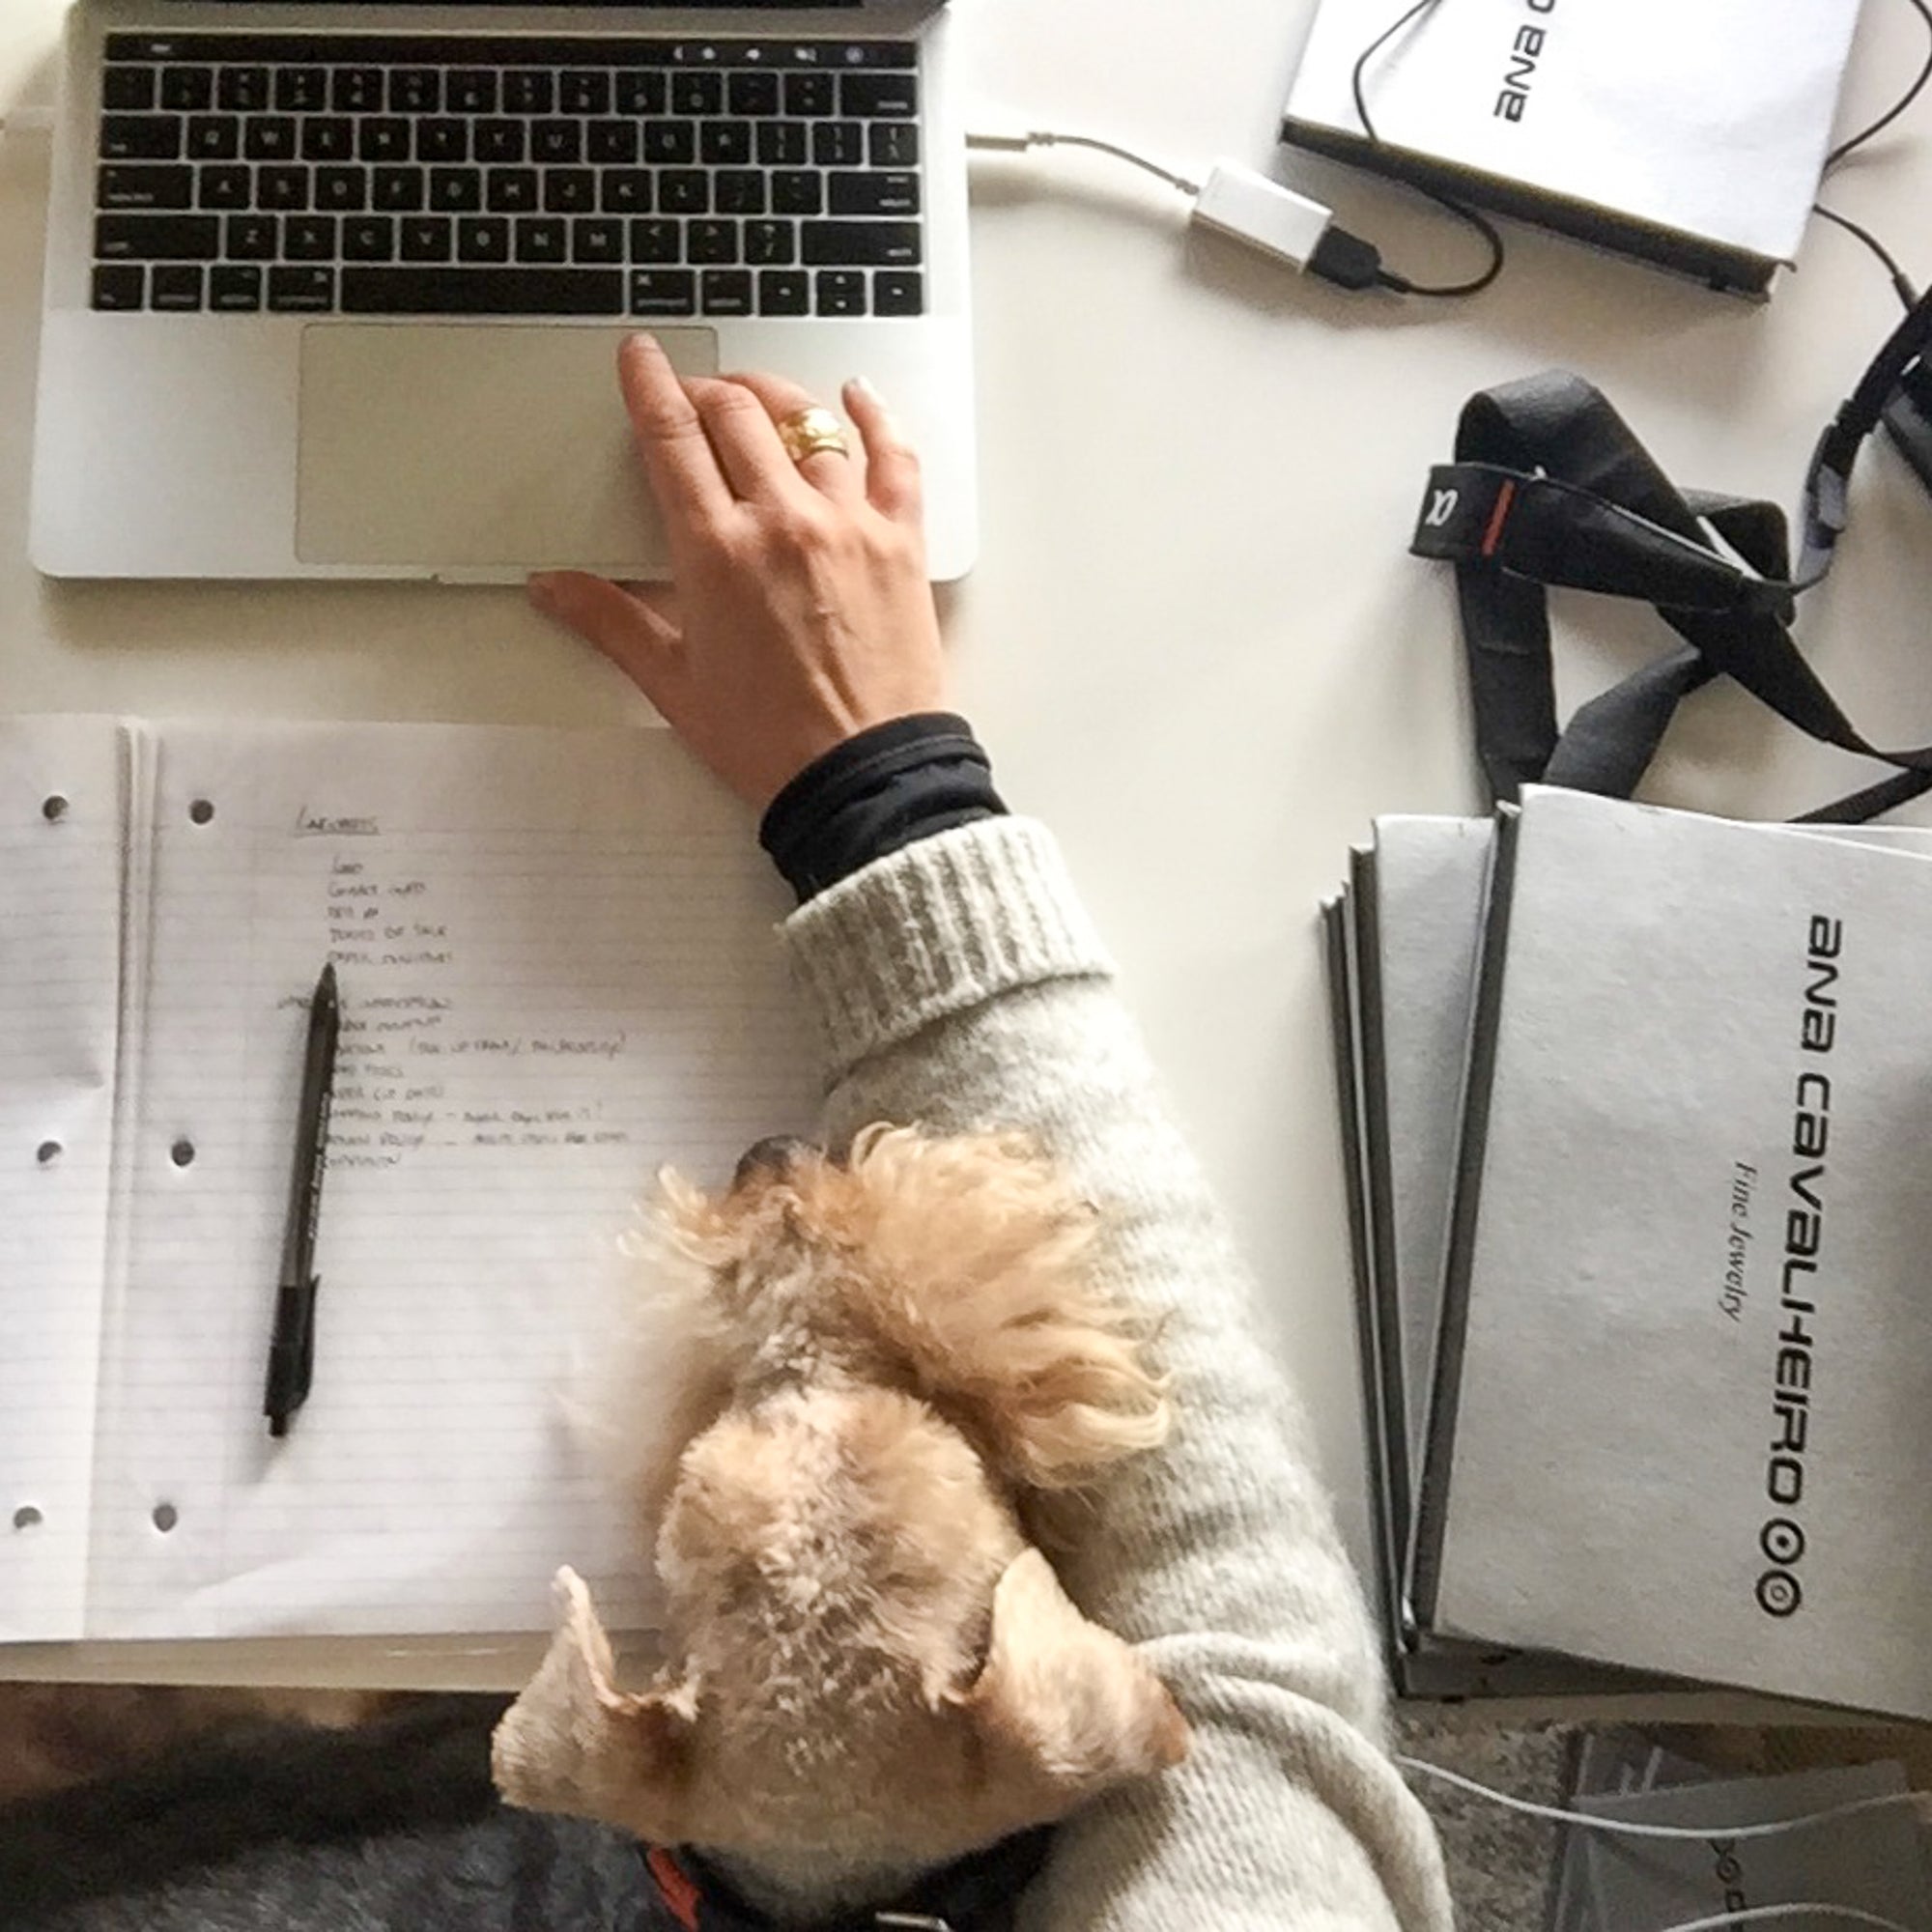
point(1195, 643)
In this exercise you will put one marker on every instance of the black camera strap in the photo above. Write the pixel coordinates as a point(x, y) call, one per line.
point(1551, 487)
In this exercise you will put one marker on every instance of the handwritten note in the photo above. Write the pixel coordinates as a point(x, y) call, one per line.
point(60, 938)
point(558, 972)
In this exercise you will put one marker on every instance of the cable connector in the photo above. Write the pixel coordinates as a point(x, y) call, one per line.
point(1235, 200)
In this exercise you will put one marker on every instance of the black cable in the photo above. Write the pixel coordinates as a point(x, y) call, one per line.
point(1897, 107)
point(1481, 223)
point(1901, 282)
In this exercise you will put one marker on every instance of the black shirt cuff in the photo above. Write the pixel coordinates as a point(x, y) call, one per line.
point(890, 784)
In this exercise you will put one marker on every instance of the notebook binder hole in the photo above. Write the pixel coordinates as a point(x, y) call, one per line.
point(182, 1153)
point(47, 1151)
point(53, 806)
point(26, 1516)
point(165, 1517)
point(201, 811)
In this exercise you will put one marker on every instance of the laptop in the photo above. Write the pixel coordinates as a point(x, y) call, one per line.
point(335, 290)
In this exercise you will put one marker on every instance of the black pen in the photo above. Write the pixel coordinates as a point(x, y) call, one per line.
point(292, 1346)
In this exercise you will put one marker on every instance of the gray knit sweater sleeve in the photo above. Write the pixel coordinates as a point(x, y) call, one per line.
point(959, 985)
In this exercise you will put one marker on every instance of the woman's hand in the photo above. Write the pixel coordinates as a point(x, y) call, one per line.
point(799, 611)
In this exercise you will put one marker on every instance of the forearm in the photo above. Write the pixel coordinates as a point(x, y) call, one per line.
point(959, 985)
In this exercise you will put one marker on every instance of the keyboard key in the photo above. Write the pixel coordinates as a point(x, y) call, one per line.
point(300, 90)
point(569, 191)
point(470, 91)
point(898, 291)
point(302, 290)
point(186, 90)
point(684, 191)
point(235, 288)
point(327, 138)
point(893, 144)
point(514, 190)
point(428, 237)
point(128, 89)
point(626, 191)
point(672, 142)
point(138, 184)
point(884, 244)
point(526, 92)
point(784, 292)
point(611, 143)
point(657, 241)
point(442, 140)
point(483, 290)
point(542, 239)
point(557, 142)
point(872, 194)
point(781, 144)
point(500, 141)
point(140, 138)
point(585, 91)
point(342, 190)
point(357, 90)
point(664, 292)
point(874, 96)
point(597, 241)
point(268, 138)
point(838, 144)
point(383, 138)
point(770, 243)
point(369, 238)
point(224, 186)
point(839, 292)
point(157, 238)
point(456, 191)
point(309, 237)
point(175, 286)
point(242, 90)
point(809, 93)
point(796, 193)
point(726, 291)
point(738, 191)
point(711, 241)
point(398, 190)
point(282, 189)
point(214, 137)
point(483, 238)
point(252, 237)
point(725, 143)
point(640, 92)
point(416, 90)
point(697, 94)
point(753, 94)
point(120, 285)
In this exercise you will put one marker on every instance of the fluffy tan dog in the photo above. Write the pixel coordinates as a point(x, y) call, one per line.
point(871, 1670)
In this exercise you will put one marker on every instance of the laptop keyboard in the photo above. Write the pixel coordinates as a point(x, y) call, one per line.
point(378, 175)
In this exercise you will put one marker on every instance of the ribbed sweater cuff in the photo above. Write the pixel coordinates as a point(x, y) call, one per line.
point(937, 928)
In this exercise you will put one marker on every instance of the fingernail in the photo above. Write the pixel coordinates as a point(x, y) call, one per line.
point(864, 385)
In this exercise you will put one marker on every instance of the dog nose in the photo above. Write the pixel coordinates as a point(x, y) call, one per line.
point(768, 1159)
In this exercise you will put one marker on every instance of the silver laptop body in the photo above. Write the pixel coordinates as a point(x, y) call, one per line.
point(335, 290)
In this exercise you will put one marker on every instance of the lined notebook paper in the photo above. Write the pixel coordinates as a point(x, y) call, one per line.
point(557, 973)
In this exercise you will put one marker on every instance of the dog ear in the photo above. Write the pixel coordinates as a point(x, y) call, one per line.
point(573, 1743)
point(1067, 1707)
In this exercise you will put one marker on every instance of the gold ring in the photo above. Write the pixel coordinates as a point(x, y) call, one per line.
point(811, 431)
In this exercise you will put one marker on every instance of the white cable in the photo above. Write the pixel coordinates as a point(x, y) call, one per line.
point(1763, 1915)
point(1014, 144)
point(1635, 1828)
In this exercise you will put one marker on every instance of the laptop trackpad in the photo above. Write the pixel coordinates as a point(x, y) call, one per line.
point(477, 447)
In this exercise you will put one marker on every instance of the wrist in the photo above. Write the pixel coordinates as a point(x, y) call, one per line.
point(879, 790)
